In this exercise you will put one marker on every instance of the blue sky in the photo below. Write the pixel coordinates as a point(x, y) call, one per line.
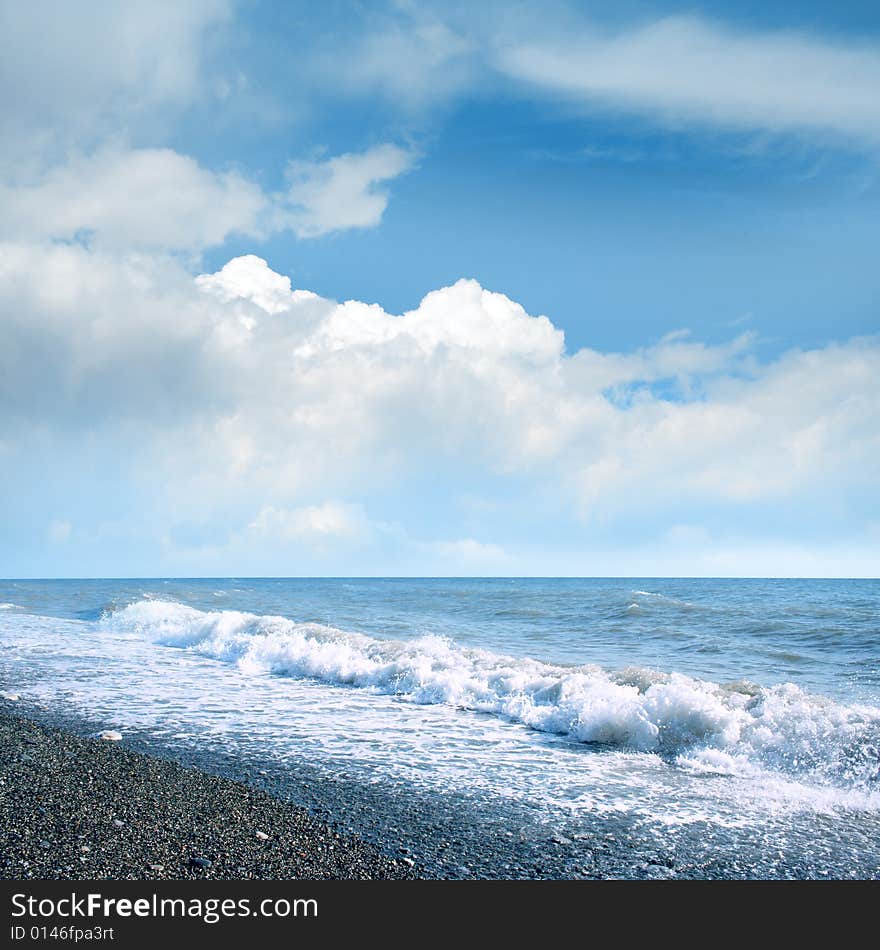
point(635, 248)
point(581, 214)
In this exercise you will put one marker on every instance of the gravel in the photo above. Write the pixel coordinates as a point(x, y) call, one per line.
point(79, 808)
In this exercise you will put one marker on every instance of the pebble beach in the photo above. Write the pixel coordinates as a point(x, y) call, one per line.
point(88, 808)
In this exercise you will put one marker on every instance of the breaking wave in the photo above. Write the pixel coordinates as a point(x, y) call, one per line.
point(722, 728)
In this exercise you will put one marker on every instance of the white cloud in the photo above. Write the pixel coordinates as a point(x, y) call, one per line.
point(73, 72)
point(463, 316)
point(686, 69)
point(249, 278)
point(90, 88)
point(413, 62)
point(134, 198)
point(342, 192)
point(675, 70)
point(310, 524)
point(158, 199)
point(236, 393)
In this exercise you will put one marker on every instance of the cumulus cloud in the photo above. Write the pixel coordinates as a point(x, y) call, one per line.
point(341, 192)
point(248, 278)
point(687, 69)
point(248, 396)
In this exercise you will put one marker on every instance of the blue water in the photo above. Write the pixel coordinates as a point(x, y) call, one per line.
point(697, 710)
point(822, 634)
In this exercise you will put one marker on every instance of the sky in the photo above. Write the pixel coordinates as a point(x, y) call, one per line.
point(439, 288)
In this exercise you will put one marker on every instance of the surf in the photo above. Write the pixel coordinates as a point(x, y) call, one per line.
point(697, 723)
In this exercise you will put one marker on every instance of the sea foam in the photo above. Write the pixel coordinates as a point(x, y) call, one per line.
point(697, 723)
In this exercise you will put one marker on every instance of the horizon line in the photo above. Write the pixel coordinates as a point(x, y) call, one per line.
point(452, 577)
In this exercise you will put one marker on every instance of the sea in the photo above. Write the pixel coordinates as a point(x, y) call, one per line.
point(496, 727)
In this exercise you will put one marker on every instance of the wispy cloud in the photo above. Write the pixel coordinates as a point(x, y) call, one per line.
point(690, 70)
point(412, 60)
point(679, 71)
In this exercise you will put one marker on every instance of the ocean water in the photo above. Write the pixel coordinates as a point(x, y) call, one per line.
point(724, 727)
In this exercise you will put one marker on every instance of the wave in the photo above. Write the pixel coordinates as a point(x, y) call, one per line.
point(723, 728)
point(8, 606)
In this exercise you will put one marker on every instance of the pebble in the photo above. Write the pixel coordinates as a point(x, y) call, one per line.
point(187, 822)
point(110, 735)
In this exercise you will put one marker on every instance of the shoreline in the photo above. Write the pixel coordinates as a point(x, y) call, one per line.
point(76, 808)
point(452, 836)
point(61, 790)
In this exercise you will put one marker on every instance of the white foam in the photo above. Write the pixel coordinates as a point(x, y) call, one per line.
point(703, 725)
